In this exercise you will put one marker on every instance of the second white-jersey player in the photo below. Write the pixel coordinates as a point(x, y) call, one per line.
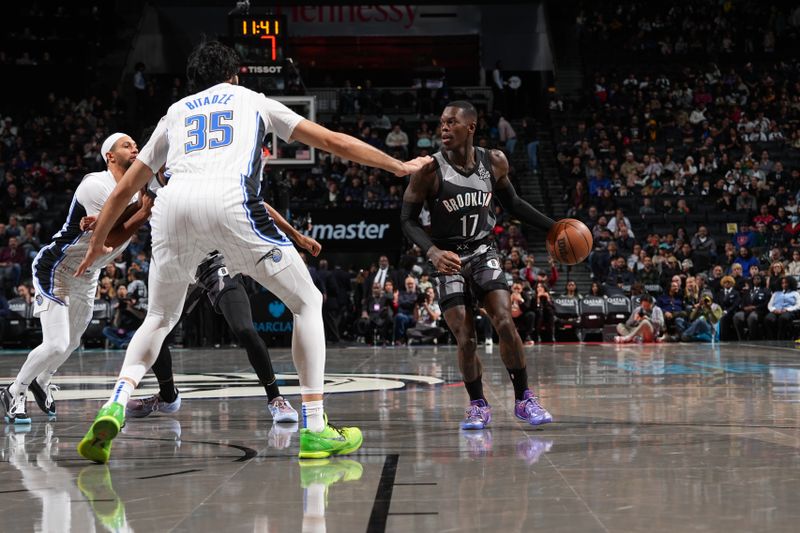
point(211, 143)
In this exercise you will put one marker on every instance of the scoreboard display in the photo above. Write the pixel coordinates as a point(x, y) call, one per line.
point(260, 40)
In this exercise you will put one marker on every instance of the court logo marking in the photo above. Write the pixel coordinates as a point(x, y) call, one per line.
point(234, 385)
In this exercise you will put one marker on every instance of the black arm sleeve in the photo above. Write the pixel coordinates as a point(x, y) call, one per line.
point(522, 209)
point(409, 219)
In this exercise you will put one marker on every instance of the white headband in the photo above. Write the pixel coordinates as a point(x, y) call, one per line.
point(108, 144)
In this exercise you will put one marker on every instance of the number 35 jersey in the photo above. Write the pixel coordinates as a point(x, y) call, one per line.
point(462, 214)
point(218, 133)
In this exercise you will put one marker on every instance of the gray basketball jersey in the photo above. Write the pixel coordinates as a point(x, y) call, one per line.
point(461, 211)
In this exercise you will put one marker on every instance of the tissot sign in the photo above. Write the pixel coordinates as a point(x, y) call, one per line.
point(356, 229)
point(394, 19)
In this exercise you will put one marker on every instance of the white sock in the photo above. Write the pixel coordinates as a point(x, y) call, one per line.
point(122, 393)
point(313, 416)
point(17, 388)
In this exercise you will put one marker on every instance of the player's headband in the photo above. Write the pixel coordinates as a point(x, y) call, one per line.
point(108, 144)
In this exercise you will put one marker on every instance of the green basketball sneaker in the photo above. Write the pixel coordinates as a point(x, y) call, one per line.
point(95, 483)
point(329, 441)
point(96, 445)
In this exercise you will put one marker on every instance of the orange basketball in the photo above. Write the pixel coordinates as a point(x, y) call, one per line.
point(569, 241)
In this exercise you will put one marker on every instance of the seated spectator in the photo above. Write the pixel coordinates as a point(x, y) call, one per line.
point(619, 273)
point(30, 242)
point(644, 325)
point(106, 290)
point(746, 260)
point(377, 313)
point(715, 283)
point(127, 319)
point(729, 300)
point(702, 242)
point(745, 202)
point(647, 207)
point(596, 289)
point(522, 313)
point(776, 237)
point(406, 309)
point(648, 275)
point(671, 305)
point(764, 216)
point(737, 273)
point(669, 270)
point(702, 320)
point(511, 238)
point(783, 307)
point(749, 319)
point(397, 140)
point(745, 237)
point(545, 313)
point(571, 291)
point(793, 268)
point(426, 319)
point(775, 275)
point(619, 219)
point(12, 259)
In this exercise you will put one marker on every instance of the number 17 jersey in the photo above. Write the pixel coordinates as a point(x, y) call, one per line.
point(462, 214)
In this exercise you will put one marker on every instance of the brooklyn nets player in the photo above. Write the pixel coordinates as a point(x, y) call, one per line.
point(459, 187)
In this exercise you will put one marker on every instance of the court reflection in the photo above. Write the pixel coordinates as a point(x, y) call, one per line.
point(68, 505)
point(316, 478)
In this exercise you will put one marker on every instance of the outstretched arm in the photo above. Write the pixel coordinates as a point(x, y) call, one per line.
point(303, 241)
point(504, 191)
point(351, 148)
point(418, 190)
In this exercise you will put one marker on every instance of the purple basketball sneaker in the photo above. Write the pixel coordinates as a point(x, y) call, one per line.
point(531, 411)
point(479, 414)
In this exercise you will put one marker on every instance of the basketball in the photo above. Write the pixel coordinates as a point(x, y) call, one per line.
point(569, 241)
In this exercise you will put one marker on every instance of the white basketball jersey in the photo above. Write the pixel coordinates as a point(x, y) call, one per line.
point(70, 242)
point(217, 133)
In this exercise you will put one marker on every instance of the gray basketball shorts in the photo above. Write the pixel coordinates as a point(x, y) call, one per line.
point(480, 274)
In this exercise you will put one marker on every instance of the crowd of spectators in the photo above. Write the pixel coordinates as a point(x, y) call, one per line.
point(665, 29)
point(46, 150)
point(689, 174)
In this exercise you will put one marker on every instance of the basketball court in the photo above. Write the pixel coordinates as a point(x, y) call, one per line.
point(652, 438)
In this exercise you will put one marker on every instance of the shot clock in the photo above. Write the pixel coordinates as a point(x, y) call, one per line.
point(267, 33)
point(260, 40)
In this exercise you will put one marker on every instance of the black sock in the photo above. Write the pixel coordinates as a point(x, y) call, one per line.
point(519, 377)
point(162, 368)
point(475, 389)
point(273, 391)
point(235, 307)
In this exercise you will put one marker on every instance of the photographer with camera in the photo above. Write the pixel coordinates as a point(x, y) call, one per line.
point(644, 325)
point(427, 316)
point(128, 316)
point(703, 320)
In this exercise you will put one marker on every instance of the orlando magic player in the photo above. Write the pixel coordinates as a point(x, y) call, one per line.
point(228, 298)
point(211, 143)
point(459, 187)
point(65, 302)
